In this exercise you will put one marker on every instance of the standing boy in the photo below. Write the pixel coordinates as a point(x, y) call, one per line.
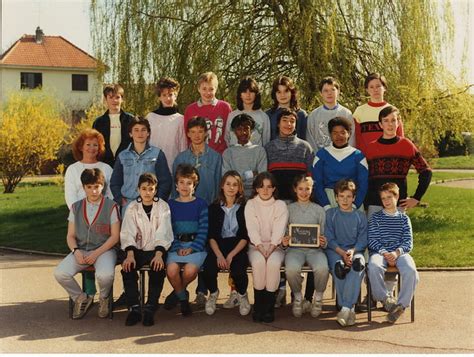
point(207, 161)
point(93, 231)
point(317, 134)
point(213, 110)
point(113, 125)
point(244, 157)
point(167, 125)
point(366, 116)
point(138, 158)
point(390, 244)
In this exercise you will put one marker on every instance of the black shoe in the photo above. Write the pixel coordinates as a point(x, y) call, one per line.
point(171, 301)
point(148, 316)
point(340, 270)
point(120, 302)
point(133, 317)
point(185, 308)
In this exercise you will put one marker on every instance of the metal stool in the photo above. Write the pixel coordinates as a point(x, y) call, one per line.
point(369, 293)
point(91, 269)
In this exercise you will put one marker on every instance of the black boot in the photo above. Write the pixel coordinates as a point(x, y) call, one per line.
point(148, 315)
point(257, 313)
point(269, 306)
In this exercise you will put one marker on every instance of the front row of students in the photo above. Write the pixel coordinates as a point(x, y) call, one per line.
point(175, 236)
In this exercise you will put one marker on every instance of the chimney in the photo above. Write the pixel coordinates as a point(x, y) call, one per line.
point(39, 35)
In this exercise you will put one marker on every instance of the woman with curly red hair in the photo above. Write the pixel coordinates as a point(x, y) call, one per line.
point(87, 149)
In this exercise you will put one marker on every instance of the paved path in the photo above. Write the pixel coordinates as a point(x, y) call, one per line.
point(33, 319)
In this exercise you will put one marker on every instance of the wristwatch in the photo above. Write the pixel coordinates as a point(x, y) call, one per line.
point(73, 250)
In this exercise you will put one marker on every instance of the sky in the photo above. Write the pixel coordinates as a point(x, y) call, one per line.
point(70, 19)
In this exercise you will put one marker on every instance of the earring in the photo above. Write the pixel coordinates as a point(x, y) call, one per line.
point(156, 198)
point(139, 199)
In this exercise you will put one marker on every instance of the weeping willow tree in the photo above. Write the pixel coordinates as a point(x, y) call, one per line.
point(142, 40)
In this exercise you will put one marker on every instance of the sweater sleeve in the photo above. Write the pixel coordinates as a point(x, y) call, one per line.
point(163, 175)
point(361, 243)
point(252, 223)
point(358, 134)
point(374, 243)
point(309, 160)
point(226, 161)
point(352, 139)
point(362, 180)
point(70, 194)
point(262, 162)
point(128, 232)
point(280, 222)
point(329, 231)
point(424, 175)
point(242, 233)
point(318, 176)
point(407, 235)
point(164, 234)
point(182, 143)
point(116, 181)
point(199, 244)
point(311, 130)
point(266, 130)
point(301, 124)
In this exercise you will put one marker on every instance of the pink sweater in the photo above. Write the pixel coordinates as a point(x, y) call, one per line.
point(266, 221)
point(216, 117)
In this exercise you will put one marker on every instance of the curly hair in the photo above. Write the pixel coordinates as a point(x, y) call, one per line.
point(78, 143)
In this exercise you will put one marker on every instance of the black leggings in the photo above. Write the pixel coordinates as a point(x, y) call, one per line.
point(238, 266)
point(155, 279)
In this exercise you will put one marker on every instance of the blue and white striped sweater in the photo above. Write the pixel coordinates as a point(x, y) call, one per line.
point(388, 232)
point(189, 217)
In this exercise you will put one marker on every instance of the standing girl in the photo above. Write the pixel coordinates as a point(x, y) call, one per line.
point(266, 219)
point(228, 241)
point(285, 95)
point(249, 101)
point(190, 223)
point(303, 211)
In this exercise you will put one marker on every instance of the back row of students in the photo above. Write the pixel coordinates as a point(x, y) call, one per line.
point(286, 155)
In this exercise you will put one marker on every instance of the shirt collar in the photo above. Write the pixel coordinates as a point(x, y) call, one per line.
point(213, 103)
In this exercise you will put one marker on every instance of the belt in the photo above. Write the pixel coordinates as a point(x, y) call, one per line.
point(186, 237)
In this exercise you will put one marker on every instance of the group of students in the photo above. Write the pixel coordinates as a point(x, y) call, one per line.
point(216, 189)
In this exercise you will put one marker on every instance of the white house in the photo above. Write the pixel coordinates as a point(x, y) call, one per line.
point(54, 64)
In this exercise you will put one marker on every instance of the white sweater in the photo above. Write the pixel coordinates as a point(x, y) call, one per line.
point(73, 190)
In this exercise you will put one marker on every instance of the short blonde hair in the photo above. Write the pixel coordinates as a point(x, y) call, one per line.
point(208, 77)
point(390, 187)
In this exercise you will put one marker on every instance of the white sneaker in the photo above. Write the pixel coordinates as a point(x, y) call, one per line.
point(200, 299)
point(297, 308)
point(244, 304)
point(232, 301)
point(280, 298)
point(343, 317)
point(389, 303)
point(81, 306)
point(211, 303)
point(352, 318)
point(316, 308)
point(104, 307)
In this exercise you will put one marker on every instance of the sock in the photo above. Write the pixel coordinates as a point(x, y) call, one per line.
point(352, 309)
point(181, 295)
point(345, 309)
point(318, 296)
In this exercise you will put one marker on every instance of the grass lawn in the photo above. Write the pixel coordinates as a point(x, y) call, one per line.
point(34, 217)
point(453, 162)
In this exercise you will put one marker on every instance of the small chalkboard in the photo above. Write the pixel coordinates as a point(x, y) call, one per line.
point(304, 235)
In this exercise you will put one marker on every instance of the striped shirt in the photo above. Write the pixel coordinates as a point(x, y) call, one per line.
point(189, 217)
point(389, 232)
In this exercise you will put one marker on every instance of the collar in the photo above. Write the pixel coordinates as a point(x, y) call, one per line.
point(249, 143)
point(131, 147)
point(376, 105)
point(206, 149)
point(261, 202)
point(391, 141)
point(335, 107)
point(287, 138)
point(166, 111)
point(213, 103)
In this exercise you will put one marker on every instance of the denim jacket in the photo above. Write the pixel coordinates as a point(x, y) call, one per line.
point(130, 165)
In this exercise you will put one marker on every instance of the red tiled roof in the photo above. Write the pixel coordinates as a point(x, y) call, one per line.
point(54, 51)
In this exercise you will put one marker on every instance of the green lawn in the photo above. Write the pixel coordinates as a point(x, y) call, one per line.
point(34, 217)
point(453, 162)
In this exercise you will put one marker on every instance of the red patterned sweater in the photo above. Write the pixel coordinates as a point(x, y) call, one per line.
point(389, 161)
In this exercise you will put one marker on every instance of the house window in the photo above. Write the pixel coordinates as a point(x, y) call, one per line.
point(80, 82)
point(31, 80)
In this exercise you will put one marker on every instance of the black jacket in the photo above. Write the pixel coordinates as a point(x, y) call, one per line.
point(216, 221)
point(102, 125)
